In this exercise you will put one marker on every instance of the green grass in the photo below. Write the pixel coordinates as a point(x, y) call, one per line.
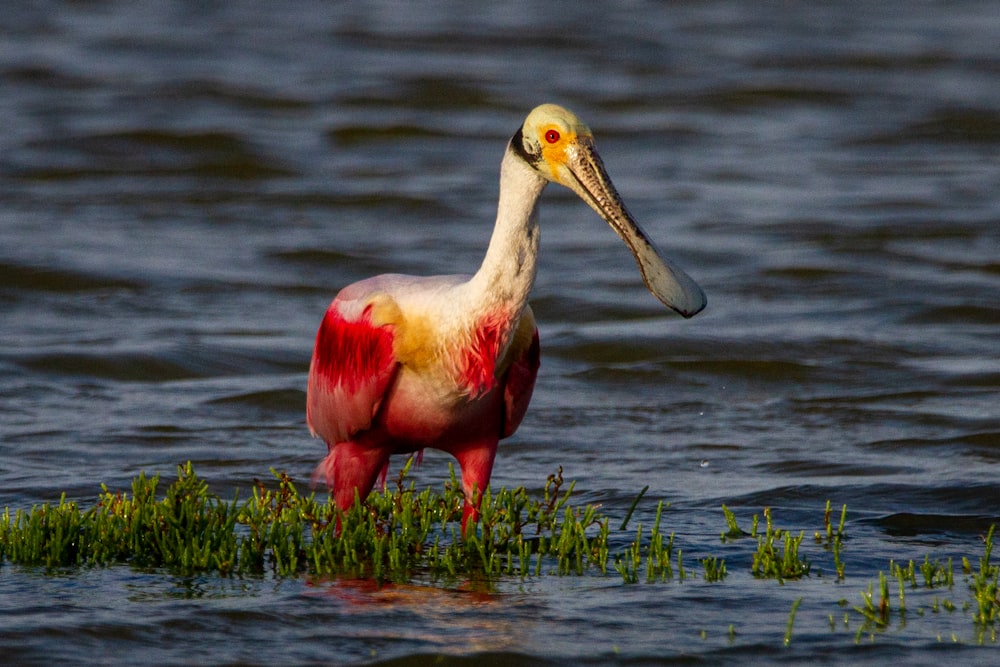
point(777, 555)
point(394, 536)
point(984, 586)
point(405, 534)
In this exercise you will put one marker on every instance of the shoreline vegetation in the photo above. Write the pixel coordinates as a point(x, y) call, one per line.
point(401, 535)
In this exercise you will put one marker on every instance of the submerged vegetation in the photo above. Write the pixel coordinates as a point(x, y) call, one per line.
point(402, 534)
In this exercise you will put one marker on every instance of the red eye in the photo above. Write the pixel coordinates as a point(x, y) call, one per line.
point(552, 136)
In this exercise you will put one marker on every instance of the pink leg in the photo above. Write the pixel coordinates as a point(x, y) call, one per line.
point(476, 462)
point(349, 467)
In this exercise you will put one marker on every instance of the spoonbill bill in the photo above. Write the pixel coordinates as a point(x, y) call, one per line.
point(402, 363)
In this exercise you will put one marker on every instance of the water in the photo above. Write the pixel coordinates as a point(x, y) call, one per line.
point(183, 190)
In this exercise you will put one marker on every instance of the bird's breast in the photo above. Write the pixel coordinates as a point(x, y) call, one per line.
point(463, 357)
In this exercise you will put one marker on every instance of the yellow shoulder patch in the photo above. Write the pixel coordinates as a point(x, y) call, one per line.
point(416, 344)
point(384, 310)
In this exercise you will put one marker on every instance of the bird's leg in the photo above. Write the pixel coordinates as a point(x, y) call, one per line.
point(351, 467)
point(476, 462)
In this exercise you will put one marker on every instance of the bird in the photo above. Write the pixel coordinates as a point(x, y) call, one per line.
point(402, 363)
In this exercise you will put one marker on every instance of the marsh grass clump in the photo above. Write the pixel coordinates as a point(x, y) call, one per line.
point(715, 568)
point(658, 553)
point(395, 535)
point(984, 585)
point(733, 530)
point(188, 530)
point(876, 613)
point(777, 555)
point(936, 574)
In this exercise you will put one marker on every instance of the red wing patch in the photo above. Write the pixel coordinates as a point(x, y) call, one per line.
point(478, 360)
point(351, 369)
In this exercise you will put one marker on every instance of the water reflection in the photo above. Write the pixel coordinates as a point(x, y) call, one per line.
point(455, 619)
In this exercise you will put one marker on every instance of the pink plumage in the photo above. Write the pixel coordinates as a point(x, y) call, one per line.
point(351, 368)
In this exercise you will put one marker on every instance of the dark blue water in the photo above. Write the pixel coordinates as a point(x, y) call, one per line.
point(183, 190)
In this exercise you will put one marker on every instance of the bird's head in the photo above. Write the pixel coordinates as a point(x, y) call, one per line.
point(560, 148)
point(550, 138)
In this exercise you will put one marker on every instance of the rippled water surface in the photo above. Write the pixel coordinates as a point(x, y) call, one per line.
point(183, 189)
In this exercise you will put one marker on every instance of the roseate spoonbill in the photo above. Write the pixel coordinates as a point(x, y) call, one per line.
point(402, 363)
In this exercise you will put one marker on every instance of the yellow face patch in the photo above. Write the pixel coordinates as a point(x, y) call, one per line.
point(554, 141)
point(550, 130)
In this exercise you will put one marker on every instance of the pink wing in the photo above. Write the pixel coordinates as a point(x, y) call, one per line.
point(352, 366)
point(519, 385)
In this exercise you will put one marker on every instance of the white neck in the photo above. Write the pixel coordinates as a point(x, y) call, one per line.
point(508, 270)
